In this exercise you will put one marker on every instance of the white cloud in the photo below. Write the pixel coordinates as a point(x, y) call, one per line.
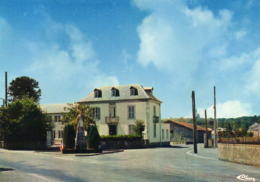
point(176, 38)
point(62, 70)
point(240, 34)
point(228, 109)
point(235, 62)
point(253, 79)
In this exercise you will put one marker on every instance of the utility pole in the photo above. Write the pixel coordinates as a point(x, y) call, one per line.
point(215, 121)
point(194, 122)
point(6, 89)
point(206, 128)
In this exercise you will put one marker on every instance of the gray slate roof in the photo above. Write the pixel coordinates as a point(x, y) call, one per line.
point(54, 108)
point(124, 91)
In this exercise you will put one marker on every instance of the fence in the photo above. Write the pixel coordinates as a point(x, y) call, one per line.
point(240, 140)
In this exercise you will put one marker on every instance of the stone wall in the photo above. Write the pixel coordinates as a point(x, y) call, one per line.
point(240, 153)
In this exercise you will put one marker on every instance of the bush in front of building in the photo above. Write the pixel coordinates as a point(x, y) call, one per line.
point(69, 135)
point(139, 127)
point(121, 137)
point(122, 142)
point(93, 138)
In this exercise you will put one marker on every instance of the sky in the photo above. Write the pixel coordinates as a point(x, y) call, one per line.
point(73, 46)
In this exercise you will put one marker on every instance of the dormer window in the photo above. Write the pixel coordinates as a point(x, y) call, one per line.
point(133, 91)
point(97, 93)
point(114, 92)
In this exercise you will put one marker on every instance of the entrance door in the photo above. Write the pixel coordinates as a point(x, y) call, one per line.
point(112, 129)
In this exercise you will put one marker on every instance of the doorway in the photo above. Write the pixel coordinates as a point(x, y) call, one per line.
point(112, 129)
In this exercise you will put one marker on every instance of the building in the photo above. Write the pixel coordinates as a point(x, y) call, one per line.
point(183, 131)
point(116, 108)
point(255, 129)
point(55, 112)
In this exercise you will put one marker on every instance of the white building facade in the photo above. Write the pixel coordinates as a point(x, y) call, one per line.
point(56, 113)
point(116, 109)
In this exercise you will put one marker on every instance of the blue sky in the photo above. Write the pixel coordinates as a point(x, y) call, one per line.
point(176, 46)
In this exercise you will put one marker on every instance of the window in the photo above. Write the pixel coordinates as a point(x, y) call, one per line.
point(162, 133)
point(60, 134)
point(57, 118)
point(53, 133)
point(96, 113)
point(112, 129)
point(97, 93)
point(154, 111)
point(114, 92)
point(133, 91)
point(112, 110)
point(131, 112)
point(167, 133)
point(50, 117)
point(154, 130)
point(131, 129)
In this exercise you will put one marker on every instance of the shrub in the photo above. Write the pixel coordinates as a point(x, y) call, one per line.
point(122, 137)
point(69, 135)
point(139, 127)
point(93, 138)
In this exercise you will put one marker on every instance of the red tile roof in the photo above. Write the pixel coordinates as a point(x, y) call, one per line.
point(188, 125)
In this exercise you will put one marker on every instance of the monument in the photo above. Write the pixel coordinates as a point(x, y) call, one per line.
point(80, 140)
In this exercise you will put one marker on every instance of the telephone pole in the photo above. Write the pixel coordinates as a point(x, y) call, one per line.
point(194, 122)
point(206, 128)
point(215, 121)
point(6, 85)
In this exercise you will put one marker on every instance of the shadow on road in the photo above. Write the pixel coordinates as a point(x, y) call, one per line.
point(6, 169)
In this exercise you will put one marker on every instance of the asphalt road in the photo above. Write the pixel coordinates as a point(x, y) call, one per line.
point(157, 164)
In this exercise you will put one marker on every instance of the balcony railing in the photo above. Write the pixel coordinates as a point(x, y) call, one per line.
point(112, 120)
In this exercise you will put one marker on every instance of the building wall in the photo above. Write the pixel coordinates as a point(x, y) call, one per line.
point(57, 131)
point(184, 134)
point(144, 110)
point(122, 113)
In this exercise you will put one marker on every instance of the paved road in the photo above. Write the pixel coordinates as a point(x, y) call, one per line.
point(158, 164)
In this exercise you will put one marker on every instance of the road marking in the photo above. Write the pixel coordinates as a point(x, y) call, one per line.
point(198, 156)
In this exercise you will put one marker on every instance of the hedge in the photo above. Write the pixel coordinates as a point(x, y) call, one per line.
point(121, 137)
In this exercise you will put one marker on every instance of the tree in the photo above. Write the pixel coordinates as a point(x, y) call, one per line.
point(139, 127)
point(74, 110)
point(24, 87)
point(24, 121)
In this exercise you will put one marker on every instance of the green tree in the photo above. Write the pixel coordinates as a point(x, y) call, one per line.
point(23, 120)
point(24, 87)
point(74, 110)
point(139, 127)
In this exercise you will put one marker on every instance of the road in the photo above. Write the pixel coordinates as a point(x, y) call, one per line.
point(157, 164)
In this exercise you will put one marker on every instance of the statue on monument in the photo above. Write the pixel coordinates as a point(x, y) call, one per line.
point(80, 140)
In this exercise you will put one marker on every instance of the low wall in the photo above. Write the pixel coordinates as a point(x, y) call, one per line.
point(240, 153)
